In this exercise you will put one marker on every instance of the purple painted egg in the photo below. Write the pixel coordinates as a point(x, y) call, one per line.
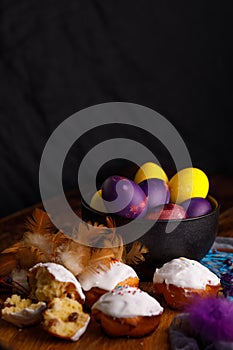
point(196, 206)
point(157, 192)
point(124, 197)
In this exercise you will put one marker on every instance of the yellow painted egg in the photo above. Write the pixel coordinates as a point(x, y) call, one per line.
point(97, 202)
point(188, 183)
point(150, 170)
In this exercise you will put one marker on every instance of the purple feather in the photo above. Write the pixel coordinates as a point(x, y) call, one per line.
point(212, 318)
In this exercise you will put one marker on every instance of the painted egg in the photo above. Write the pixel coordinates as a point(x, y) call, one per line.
point(97, 202)
point(167, 212)
point(124, 197)
point(196, 207)
point(150, 170)
point(188, 183)
point(157, 192)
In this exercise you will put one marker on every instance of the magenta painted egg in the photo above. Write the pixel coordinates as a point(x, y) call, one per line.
point(196, 206)
point(124, 197)
point(167, 212)
point(157, 192)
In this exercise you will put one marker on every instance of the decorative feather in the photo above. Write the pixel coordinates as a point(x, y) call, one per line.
point(42, 241)
point(28, 256)
point(97, 266)
point(39, 222)
point(110, 222)
point(212, 318)
point(88, 245)
point(103, 241)
point(73, 255)
point(92, 235)
point(135, 254)
point(13, 248)
point(68, 259)
point(7, 263)
point(21, 256)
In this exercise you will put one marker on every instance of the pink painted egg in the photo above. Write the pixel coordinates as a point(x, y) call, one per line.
point(167, 212)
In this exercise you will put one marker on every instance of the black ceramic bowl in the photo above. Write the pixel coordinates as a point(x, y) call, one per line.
point(191, 238)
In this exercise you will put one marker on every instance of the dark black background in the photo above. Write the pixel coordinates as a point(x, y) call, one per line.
point(58, 57)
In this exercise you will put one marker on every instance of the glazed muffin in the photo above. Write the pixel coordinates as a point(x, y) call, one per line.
point(127, 311)
point(50, 280)
point(22, 312)
point(64, 318)
point(103, 276)
point(182, 279)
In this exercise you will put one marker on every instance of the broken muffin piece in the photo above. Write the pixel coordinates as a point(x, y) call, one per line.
point(50, 280)
point(64, 318)
point(22, 312)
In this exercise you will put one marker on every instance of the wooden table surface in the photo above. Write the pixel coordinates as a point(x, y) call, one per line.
point(11, 230)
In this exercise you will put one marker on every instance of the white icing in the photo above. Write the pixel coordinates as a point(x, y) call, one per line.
point(25, 317)
point(106, 279)
point(61, 274)
point(128, 302)
point(185, 273)
point(80, 331)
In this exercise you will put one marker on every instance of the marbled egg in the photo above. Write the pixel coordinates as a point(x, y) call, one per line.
point(196, 206)
point(168, 211)
point(124, 197)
